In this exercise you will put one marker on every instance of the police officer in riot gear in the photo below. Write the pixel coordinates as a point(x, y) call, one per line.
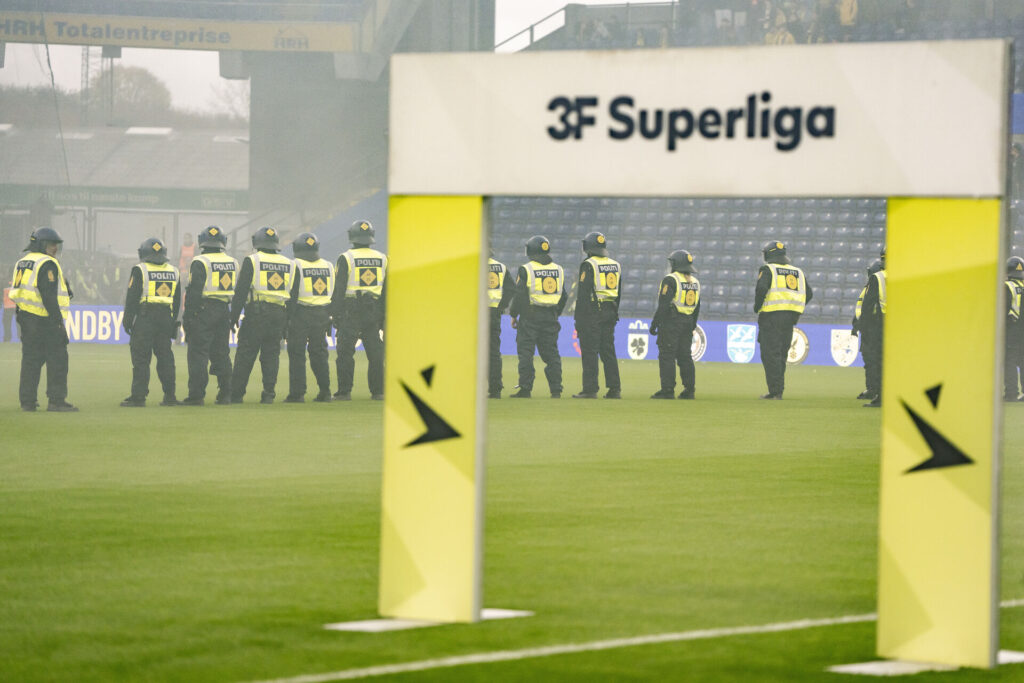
point(674, 322)
point(359, 310)
point(500, 289)
point(1014, 355)
point(42, 299)
point(207, 317)
point(150, 316)
point(263, 290)
point(869, 354)
point(309, 319)
point(780, 296)
point(872, 328)
point(597, 310)
point(538, 301)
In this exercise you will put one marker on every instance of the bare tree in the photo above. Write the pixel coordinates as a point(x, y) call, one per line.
point(136, 94)
point(231, 97)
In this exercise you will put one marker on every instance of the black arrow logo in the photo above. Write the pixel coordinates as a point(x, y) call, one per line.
point(438, 428)
point(944, 452)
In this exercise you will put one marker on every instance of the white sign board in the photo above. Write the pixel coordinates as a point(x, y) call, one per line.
point(868, 119)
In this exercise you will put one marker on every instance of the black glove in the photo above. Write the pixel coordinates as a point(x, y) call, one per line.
point(654, 328)
point(128, 325)
point(63, 332)
point(175, 325)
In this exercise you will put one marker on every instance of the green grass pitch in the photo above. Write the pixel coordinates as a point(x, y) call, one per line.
point(212, 544)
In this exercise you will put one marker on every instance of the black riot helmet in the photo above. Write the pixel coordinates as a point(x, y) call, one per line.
point(875, 266)
point(681, 261)
point(881, 255)
point(41, 237)
point(538, 246)
point(595, 244)
point(266, 239)
point(153, 251)
point(306, 246)
point(212, 238)
point(1015, 268)
point(774, 252)
point(360, 234)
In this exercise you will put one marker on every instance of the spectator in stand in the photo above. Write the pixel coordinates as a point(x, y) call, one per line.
point(847, 17)
point(188, 252)
point(779, 33)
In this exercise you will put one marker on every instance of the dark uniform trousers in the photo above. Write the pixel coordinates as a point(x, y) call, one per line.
point(538, 329)
point(361, 318)
point(597, 340)
point(208, 337)
point(675, 339)
point(307, 328)
point(871, 351)
point(43, 342)
point(494, 383)
point(1014, 363)
point(775, 334)
point(261, 332)
point(151, 336)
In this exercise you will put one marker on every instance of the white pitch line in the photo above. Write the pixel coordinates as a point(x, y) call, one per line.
point(593, 646)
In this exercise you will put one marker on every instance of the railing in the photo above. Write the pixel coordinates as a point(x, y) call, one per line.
point(532, 33)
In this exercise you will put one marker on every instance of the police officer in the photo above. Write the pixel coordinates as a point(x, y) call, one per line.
point(780, 296)
point(872, 327)
point(869, 355)
point(359, 310)
point(674, 322)
point(500, 289)
point(207, 318)
point(597, 310)
point(42, 298)
point(264, 287)
point(150, 316)
point(309, 319)
point(538, 301)
point(1014, 330)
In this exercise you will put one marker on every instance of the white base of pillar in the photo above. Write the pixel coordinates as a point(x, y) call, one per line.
point(385, 625)
point(899, 668)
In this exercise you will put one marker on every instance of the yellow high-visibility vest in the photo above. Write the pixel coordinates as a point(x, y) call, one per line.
point(606, 277)
point(544, 283)
point(159, 282)
point(316, 281)
point(788, 291)
point(881, 290)
point(1016, 289)
point(495, 282)
point(687, 292)
point(860, 304)
point(221, 275)
point(367, 270)
point(271, 278)
point(25, 285)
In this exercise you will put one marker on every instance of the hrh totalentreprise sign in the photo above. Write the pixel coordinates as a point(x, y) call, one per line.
point(181, 34)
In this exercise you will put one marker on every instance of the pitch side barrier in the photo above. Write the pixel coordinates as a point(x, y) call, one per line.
point(923, 124)
point(713, 340)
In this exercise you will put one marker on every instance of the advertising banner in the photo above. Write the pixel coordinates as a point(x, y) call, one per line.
point(180, 34)
point(714, 340)
point(856, 119)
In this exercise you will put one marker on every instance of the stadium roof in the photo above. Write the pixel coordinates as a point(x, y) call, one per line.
point(85, 164)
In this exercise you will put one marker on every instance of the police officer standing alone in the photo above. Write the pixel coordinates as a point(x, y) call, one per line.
point(359, 311)
point(674, 322)
point(500, 289)
point(150, 316)
point(872, 326)
point(1014, 330)
point(597, 311)
point(869, 354)
point(309, 319)
point(207, 318)
point(42, 297)
point(264, 287)
point(780, 296)
point(539, 300)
